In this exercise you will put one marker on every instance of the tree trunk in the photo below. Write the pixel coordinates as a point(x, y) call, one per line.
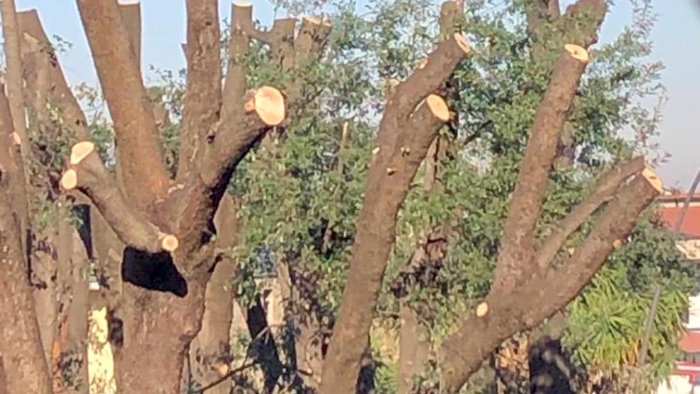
point(69, 350)
point(158, 327)
point(210, 351)
point(414, 348)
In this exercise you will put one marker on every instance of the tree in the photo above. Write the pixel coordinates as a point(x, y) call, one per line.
point(169, 207)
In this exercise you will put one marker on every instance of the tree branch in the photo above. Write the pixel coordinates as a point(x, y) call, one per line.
point(46, 83)
point(605, 188)
point(504, 314)
point(144, 173)
point(517, 247)
point(86, 173)
point(237, 132)
point(412, 117)
point(15, 94)
point(584, 18)
point(131, 17)
point(13, 117)
point(202, 102)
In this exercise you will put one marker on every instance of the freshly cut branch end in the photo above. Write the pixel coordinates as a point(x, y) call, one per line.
point(268, 103)
point(242, 3)
point(316, 21)
point(16, 139)
point(577, 52)
point(438, 107)
point(80, 151)
point(421, 64)
point(653, 179)
point(617, 244)
point(462, 43)
point(69, 180)
point(482, 309)
point(169, 242)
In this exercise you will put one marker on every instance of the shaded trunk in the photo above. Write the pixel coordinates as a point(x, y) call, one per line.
point(157, 328)
point(414, 349)
point(69, 347)
point(210, 352)
point(43, 276)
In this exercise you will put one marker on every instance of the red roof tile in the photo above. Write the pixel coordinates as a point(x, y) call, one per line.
point(691, 223)
point(690, 343)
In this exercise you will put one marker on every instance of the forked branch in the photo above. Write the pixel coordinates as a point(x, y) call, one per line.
point(87, 173)
point(547, 291)
point(604, 191)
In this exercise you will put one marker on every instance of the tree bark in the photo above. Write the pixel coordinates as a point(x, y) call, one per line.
point(23, 359)
point(414, 348)
point(69, 347)
point(404, 137)
point(210, 351)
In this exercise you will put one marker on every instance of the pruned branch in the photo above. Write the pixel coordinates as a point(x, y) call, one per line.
point(12, 44)
point(517, 247)
point(604, 190)
point(411, 121)
point(202, 102)
point(46, 82)
point(235, 86)
point(87, 173)
point(144, 173)
point(131, 15)
point(503, 314)
point(584, 18)
point(235, 135)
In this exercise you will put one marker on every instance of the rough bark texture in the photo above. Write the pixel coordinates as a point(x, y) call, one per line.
point(405, 135)
point(515, 259)
point(202, 101)
point(210, 351)
point(23, 359)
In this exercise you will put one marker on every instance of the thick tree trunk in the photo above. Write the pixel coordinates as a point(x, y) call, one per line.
point(158, 327)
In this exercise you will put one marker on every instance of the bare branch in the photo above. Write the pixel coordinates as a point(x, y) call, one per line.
point(131, 16)
point(411, 120)
point(605, 189)
point(46, 83)
point(86, 173)
point(504, 314)
point(144, 173)
point(202, 102)
point(517, 245)
point(12, 169)
point(584, 19)
point(13, 57)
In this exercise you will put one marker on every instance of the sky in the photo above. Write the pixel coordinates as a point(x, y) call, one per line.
point(164, 30)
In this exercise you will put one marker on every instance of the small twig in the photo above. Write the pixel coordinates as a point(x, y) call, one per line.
point(228, 375)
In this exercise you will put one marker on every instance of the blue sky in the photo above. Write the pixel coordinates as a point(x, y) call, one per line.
point(164, 30)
